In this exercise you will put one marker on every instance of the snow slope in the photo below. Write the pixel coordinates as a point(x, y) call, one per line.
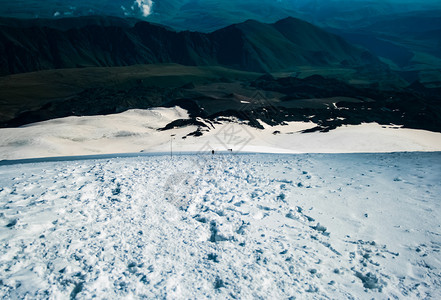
point(340, 226)
point(136, 130)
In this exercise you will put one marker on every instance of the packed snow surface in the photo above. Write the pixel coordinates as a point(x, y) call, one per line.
point(269, 226)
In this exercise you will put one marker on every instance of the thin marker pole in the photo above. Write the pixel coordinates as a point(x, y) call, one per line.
point(171, 145)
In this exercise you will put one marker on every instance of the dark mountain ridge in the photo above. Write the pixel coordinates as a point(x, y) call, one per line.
point(27, 46)
point(69, 23)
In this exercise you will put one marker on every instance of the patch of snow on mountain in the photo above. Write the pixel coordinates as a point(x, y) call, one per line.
point(137, 131)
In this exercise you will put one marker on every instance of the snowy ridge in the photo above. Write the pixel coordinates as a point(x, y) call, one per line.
point(137, 131)
point(356, 226)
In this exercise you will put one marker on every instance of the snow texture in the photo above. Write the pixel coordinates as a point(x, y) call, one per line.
point(337, 226)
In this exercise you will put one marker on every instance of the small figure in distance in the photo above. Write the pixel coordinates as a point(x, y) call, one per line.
point(212, 151)
point(231, 150)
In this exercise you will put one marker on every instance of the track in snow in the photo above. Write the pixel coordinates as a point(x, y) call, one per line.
point(227, 226)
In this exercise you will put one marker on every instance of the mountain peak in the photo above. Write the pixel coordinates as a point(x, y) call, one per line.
point(291, 21)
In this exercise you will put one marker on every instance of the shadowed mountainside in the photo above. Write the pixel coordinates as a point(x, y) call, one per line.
point(27, 46)
point(409, 43)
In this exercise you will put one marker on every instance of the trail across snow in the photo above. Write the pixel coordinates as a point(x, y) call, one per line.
point(229, 226)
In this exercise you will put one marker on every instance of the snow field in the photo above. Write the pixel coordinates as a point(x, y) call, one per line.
point(309, 226)
point(137, 131)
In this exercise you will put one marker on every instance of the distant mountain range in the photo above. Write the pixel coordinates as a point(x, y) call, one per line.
point(404, 34)
point(33, 45)
point(210, 15)
point(357, 61)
